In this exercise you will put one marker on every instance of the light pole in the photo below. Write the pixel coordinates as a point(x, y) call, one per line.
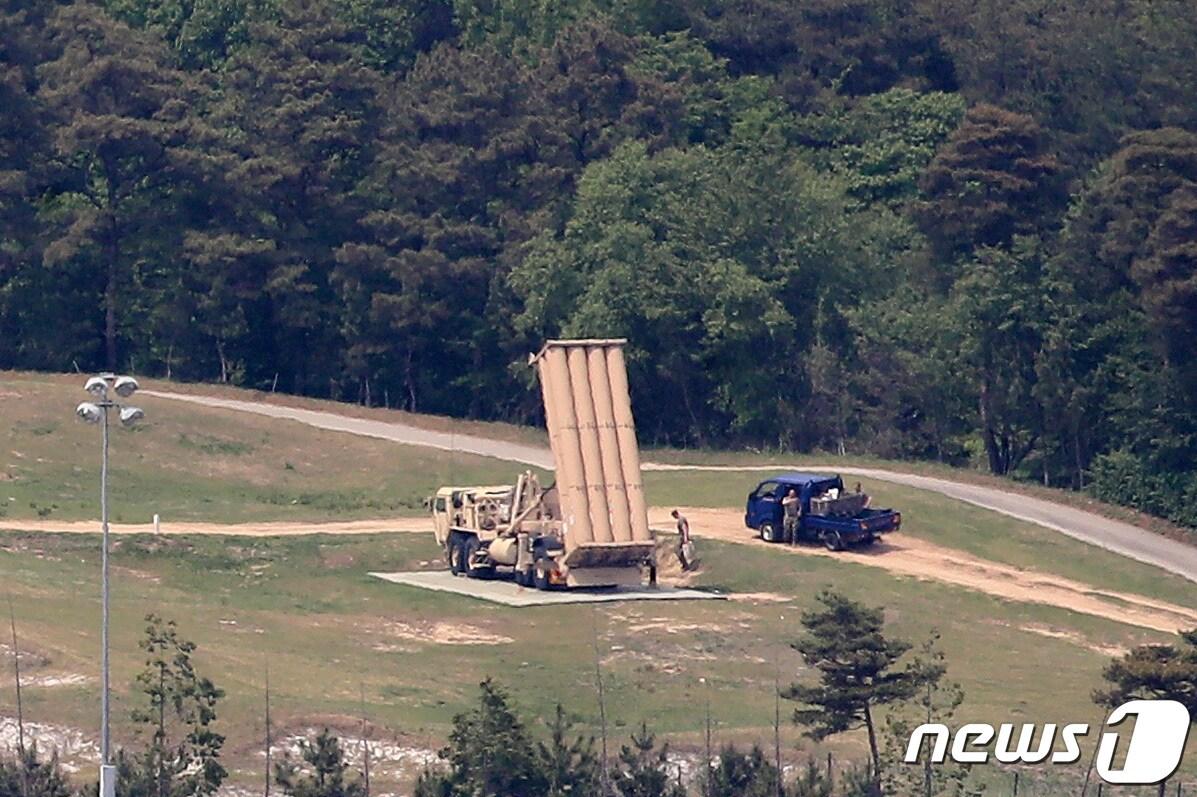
point(101, 388)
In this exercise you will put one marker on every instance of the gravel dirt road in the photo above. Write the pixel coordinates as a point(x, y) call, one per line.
point(900, 554)
point(1113, 535)
point(909, 556)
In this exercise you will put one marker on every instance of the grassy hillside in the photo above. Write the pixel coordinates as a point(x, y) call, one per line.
point(307, 607)
point(207, 464)
point(187, 462)
point(329, 632)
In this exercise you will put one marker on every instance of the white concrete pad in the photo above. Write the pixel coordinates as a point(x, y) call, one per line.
point(509, 593)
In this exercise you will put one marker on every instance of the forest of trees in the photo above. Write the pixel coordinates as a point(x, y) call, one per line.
point(959, 230)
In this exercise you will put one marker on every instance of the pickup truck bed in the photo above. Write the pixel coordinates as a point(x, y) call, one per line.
point(840, 532)
point(836, 522)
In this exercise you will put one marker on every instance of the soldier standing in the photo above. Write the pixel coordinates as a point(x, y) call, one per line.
point(685, 548)
point(791, 507)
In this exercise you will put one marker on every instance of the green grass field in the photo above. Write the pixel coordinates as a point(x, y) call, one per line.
point(308, 608)
point(187, 462)
point(330, 632)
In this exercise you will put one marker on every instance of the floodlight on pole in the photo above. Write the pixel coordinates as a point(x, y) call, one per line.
point(125, 386)
point(100, 388)
point(97, 386)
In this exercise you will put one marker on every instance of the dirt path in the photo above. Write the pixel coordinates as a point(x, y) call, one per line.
point(909, 556)
point(1113, 535)
point(902, 555)
point(265, 529)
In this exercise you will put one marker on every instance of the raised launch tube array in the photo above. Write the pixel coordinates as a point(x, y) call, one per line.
point(593, 436)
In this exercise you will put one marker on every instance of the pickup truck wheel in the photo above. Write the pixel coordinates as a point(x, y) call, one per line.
point(869, 540)
point(540, 576)
point(768, 532)
point(833, 541)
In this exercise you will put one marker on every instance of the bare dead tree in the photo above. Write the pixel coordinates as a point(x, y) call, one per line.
point(706, 764)
point(269, 741)
point(16, 669)
point(1089, 772)
point(365, 746)
point(777, 729)
point(604, 775)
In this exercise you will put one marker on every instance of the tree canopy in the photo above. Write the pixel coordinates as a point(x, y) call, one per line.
point(914, 228)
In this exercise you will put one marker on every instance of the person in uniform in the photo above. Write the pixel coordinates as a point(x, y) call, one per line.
point(791, 507)
point(685, 548)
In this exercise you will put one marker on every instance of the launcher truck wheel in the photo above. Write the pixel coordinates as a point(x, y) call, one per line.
point(456, 554)
point(469, 552)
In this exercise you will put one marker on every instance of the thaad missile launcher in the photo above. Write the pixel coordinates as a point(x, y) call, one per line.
point(590, 527)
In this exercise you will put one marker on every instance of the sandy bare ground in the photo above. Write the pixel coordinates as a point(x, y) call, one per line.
point(899, 554)
point(909, 556)
point(1113, 535)
point(271, 528)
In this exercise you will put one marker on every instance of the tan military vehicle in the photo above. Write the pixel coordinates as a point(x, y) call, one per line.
point(588, 529)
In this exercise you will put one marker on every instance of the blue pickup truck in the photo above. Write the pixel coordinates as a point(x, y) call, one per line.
point(830, 515)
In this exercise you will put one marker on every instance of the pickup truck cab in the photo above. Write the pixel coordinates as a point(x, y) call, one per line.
point(830, 515)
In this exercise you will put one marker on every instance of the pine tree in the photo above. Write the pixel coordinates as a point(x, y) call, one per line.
point(936, 701)
point(857, 671)
point(30, 334)
point(119, 114)
point(644, 768)
point(1167, 279)
point(300, 110)
point(28, 775)
point(569, 767)
point(737, 774)
point(1121, 285)
point(183, 755)
point(598, 99)
point(993, 180)
point(490, 753)
point(320, 772)
point(1153, 672)
point(454, 186)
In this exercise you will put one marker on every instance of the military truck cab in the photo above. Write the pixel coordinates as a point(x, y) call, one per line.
point(512, 528)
